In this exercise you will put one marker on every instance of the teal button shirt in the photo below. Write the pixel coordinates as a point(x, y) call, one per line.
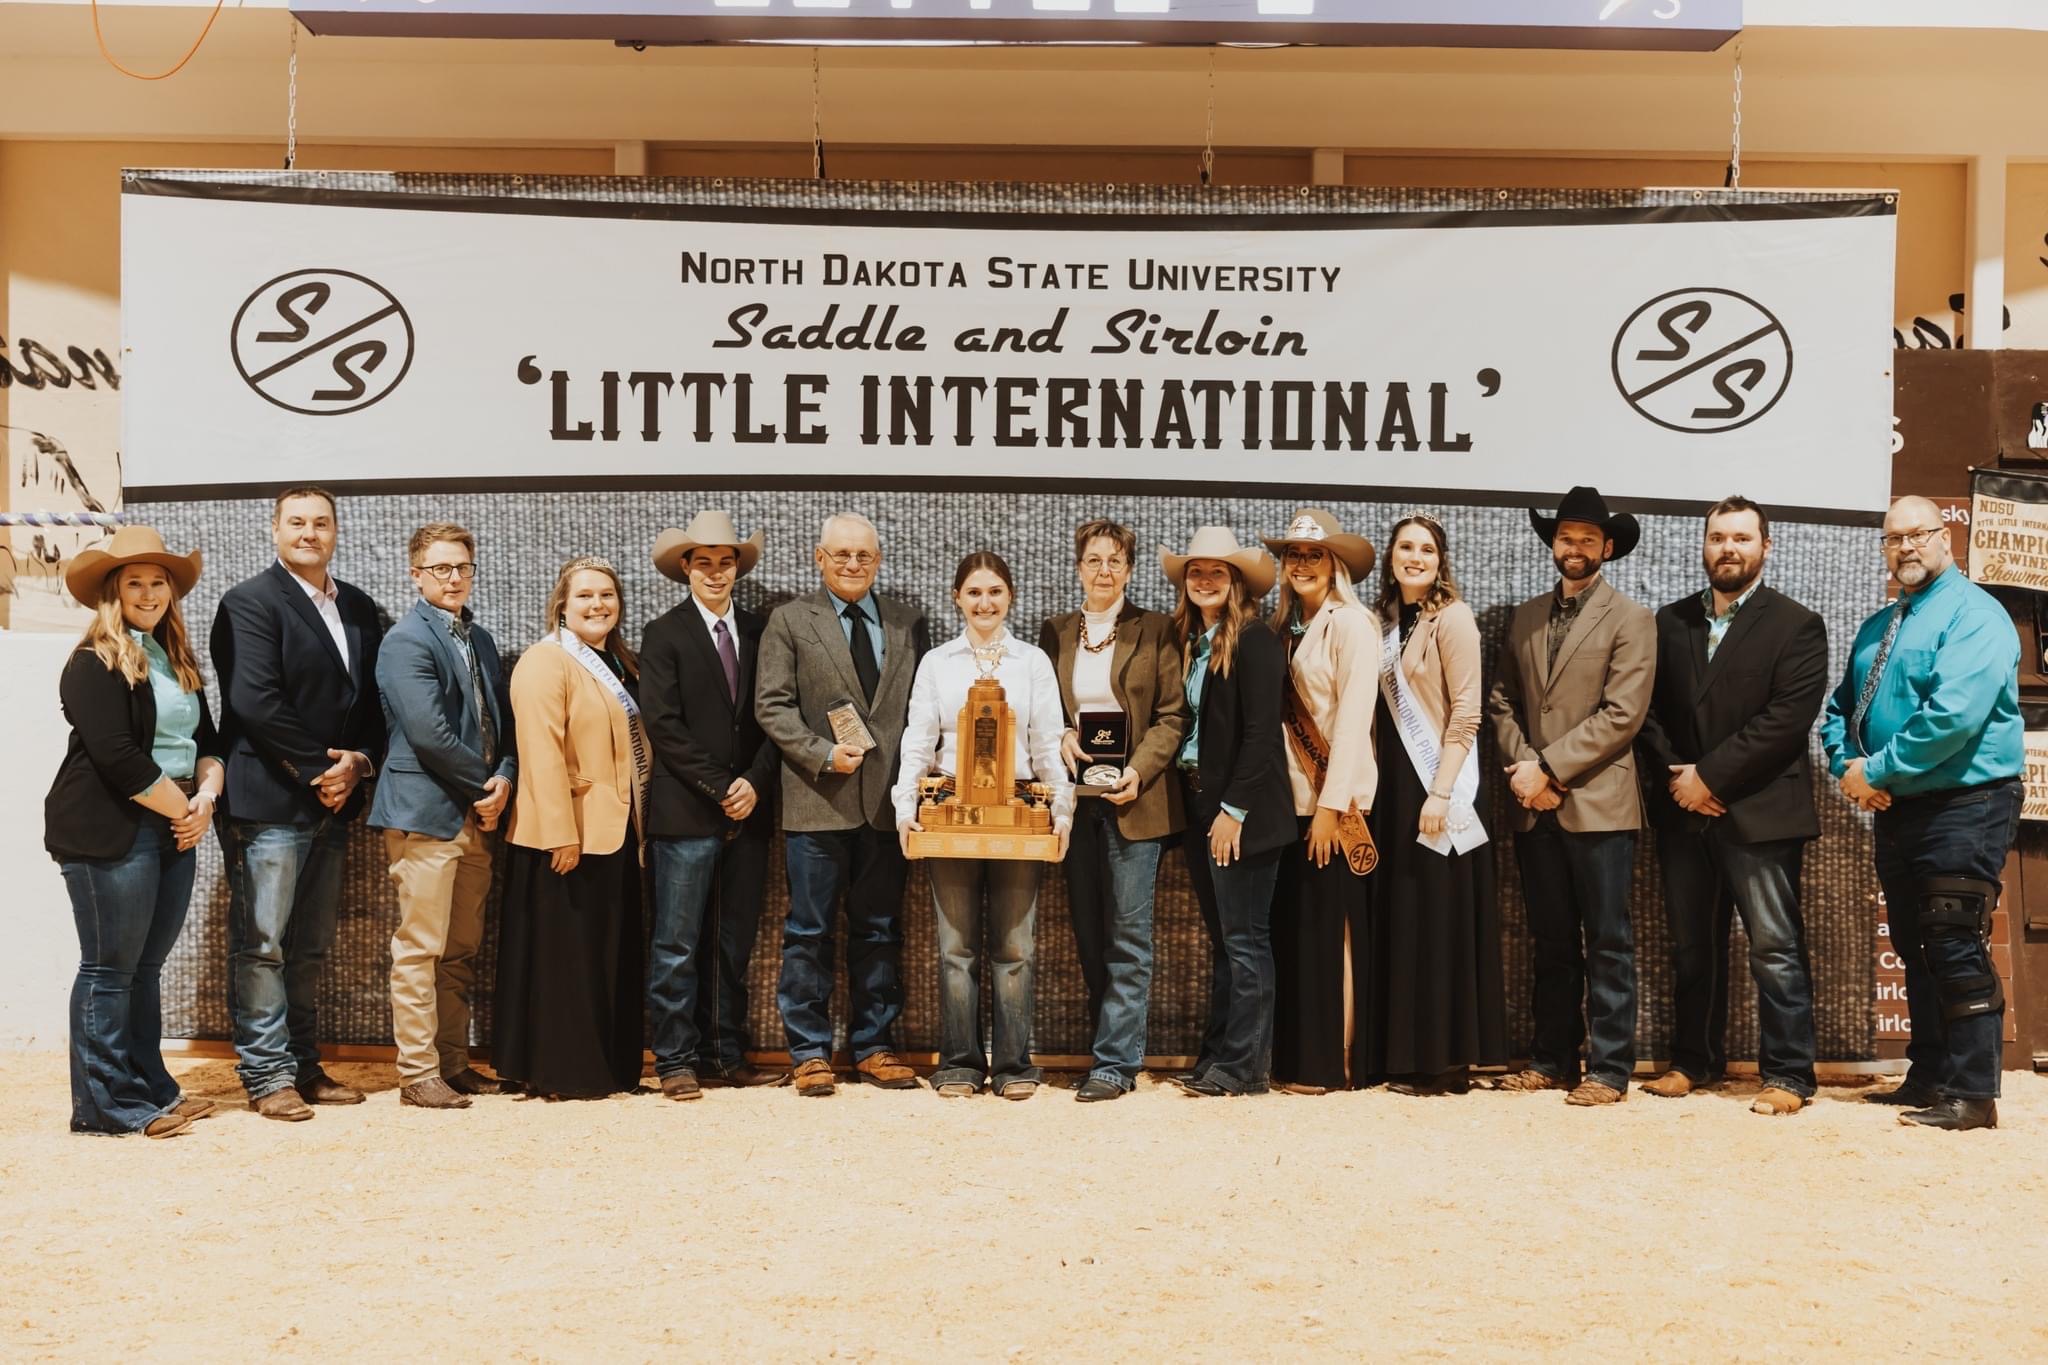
point(1198, 676)
point(1947, 709)
point(175, 746)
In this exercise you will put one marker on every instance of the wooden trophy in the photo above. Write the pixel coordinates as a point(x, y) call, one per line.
point(985, 812)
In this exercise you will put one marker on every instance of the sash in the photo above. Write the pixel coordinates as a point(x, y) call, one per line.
point(1312, 751)
point(643, 754)
point(1462, 831)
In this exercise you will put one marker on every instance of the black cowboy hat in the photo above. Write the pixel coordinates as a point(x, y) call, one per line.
point(1585, 504)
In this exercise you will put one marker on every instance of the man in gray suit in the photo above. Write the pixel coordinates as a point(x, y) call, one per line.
point(841, 647)
point(447, 776)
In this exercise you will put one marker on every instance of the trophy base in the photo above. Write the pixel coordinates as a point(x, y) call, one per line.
point(1036, 846)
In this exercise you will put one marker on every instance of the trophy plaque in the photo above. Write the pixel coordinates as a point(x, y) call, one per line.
point(848, 727)
point(1105, 745)
point(984, 812)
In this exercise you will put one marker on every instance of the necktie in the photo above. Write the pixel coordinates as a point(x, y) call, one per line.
point(864, 666)
point(730, 657)
point(1870, 679)
point(459, 628)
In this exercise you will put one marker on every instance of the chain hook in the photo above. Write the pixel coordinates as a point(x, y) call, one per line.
point(1733, 180)
point(817, 123)
point(291, 101)
point(1209, 128)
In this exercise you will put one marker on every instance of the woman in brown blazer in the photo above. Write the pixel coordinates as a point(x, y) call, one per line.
point(1119, 670)
point(1438, 1007)
point(569, 952)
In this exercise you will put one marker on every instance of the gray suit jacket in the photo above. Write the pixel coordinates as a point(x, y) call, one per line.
point(805, 669)
point(1580, 716)
point(434, 768)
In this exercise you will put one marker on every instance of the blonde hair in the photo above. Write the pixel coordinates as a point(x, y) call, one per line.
point(106, 635)
point(1340, 588)
point(1230, 623)
point(559, 599)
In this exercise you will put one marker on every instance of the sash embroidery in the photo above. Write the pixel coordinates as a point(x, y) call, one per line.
point(1462, 831)
point(1312, 751)
point(636, 729)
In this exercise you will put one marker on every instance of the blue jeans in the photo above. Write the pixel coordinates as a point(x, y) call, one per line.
point(1961, 833)
point(1237, 908)
point(1110, 882)
point(284, 890)
point(1576, 888)
point(867, 864)
point(1008, 921)
point(1707, 879)
point(707, 908)
point(128, 910)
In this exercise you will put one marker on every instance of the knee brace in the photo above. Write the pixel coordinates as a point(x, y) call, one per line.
point(1961, 908)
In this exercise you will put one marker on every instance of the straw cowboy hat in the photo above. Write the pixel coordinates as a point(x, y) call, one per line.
point(1314, 526)
point(672, 547)
point(1253, 565)
point(1585, 504)
point(130, 545)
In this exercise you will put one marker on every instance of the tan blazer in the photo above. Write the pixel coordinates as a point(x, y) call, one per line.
point(575, 756)
point(1336, 668)
point(1441, 663)
point(1580, 717)
point(1145, 675)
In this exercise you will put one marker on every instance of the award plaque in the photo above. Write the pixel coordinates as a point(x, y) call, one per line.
point(984, 811)
point(1105, 746)
point(849, 728)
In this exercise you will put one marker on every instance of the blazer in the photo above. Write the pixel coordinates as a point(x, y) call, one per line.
point(1145, 677)
point(90, 811)
point(287, 698)
point(576, 756)
point(433, 771)
point(703, 737)
point(1440, 662)
point(805, 670)
point(1581, 716)
point(1336, 668)
point(1743, 717)
point(1242, 758)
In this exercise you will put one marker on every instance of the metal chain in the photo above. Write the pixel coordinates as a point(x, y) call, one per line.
point(1735, 136)
point(817, 124)
point(291, 101)
point(1209, 127)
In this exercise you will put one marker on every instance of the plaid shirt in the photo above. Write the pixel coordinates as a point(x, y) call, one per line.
point(1717, 626)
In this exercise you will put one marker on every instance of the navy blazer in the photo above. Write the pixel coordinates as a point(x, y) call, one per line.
point(286, 698)
point(433, 771)
point(703, 739)
point(1241, 754)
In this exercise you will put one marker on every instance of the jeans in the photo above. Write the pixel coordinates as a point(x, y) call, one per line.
point(1576, 885)
point(128, 911)
point(1962, 833)
point(707, 909)
point(1008, 921)
point(284, 890)
point(868, 865)
point(1706, 877)
point(1237, 908)
point(1110, 883)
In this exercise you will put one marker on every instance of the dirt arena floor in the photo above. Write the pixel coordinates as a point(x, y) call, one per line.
point(888, 1225)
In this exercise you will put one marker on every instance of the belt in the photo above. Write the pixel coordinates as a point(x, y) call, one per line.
point(1192, 777)
point(187, 785)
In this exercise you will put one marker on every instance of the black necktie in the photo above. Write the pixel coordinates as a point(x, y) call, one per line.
point(864, 666)
point(459, 628)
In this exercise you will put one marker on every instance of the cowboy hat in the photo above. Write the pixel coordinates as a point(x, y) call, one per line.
point(1253, 565)
point(1586, 505)
point(1314, 526)
point(130, 545)
point(706, 529)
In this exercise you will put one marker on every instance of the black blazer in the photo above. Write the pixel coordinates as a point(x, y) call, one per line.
point(286, 699)
point(90, 811)
point(702, 740)
point(1242, 761)
point(1744, 718)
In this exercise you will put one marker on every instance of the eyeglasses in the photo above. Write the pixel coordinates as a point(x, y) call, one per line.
point(859, 558)
point(1113, 564)
point(1911, 539)
point(444, 572)
point(1303, 554)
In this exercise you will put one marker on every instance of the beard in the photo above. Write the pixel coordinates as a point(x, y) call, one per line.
point(1733, 574)
point(1912, 574)
point(1576, 568)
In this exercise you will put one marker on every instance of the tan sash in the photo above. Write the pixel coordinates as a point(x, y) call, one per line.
point(1312, 751)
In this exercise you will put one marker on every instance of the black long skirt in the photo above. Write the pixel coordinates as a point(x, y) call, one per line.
point(570, 975)
point(1440, 1005)
point(1315, 911)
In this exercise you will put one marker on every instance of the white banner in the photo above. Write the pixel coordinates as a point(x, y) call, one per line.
point(1662, 354)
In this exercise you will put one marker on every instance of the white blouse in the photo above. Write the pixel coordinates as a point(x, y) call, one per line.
point(930, 735)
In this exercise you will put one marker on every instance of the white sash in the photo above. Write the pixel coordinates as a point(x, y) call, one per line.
point(1462, 831)
point(643, 754)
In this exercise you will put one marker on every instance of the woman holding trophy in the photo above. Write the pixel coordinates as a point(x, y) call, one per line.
point(985, 862)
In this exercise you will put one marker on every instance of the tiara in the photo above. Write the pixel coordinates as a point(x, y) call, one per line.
point(590, 562)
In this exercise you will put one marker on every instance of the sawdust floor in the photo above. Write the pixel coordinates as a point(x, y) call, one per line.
point(874, 1225)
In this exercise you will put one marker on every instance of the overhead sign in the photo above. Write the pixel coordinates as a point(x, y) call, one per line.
point(279, 333)
point(1675, 25)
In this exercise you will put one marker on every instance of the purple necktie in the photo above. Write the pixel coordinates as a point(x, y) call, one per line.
point(730, 657)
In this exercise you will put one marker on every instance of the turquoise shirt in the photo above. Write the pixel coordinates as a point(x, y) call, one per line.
point(1947, 710)
point(1198, 676)
point(176, 746)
